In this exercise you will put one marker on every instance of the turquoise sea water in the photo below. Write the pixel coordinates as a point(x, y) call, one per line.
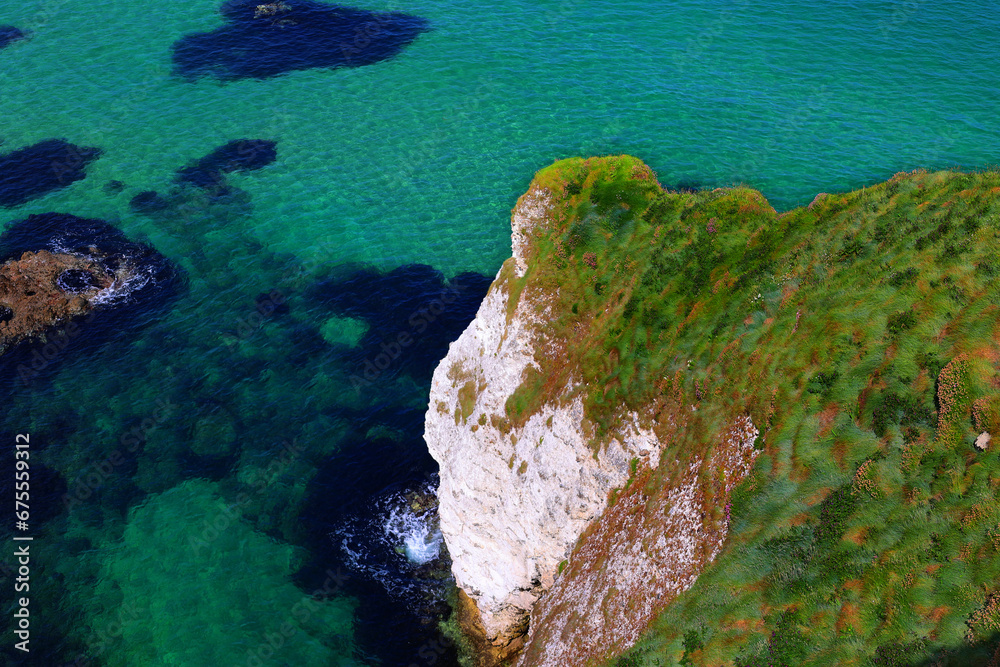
point(418, 159)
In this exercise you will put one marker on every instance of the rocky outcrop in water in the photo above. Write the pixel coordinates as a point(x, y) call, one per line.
point(41, 289)
point(61, 275)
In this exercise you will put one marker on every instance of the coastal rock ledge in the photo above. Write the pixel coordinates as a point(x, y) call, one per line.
point(540, 497)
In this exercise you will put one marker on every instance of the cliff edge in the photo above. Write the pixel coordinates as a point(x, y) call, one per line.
point(525, 469)
point(514, 498)
point(685, 429)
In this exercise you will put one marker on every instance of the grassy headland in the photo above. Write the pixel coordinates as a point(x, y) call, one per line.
point(862, 336)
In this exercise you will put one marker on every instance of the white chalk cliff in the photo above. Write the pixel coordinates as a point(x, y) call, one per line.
point(525, 494)
point(514, 501)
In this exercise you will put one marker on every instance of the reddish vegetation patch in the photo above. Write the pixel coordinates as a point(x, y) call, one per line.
point(786, 293)
point(826, 418)
point(799, 519)
point(819, 496)
point(857, 536)
point(839, 451)
point(853, 585)
point(937, 613)
point(848, 618)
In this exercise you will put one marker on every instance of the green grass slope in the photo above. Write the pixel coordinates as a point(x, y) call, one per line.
point(861, 335)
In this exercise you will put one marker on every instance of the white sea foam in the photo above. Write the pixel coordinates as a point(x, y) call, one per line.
point(126, 282)
point(419, 536)
point(129, 279)
point(392, 544)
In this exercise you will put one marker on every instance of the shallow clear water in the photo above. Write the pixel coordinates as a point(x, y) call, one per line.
point(418, 159)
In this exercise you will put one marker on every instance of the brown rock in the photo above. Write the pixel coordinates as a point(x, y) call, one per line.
point(33, 298)
point(487, 653)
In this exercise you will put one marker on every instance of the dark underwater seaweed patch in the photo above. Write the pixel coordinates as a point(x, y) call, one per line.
point(413, 301)
point(237, 155)
point(211, 195)
point(32, 171)
point(9, 34)
point(264, 40)
point(148, 201)
point(113, 188)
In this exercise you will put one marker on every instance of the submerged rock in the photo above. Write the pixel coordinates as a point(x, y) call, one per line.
point(214, 435)
point(237, 155)
point(32, 171)
point(148, 201)
point(264, 40)
point(9, 34)
point(112, 188)
point(412, 314)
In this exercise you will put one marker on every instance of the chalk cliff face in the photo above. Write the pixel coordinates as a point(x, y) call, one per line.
point(542, 511)
point(513, 500)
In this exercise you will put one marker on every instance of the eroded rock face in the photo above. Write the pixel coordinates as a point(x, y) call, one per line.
point(514, 500)
point(566, 544)
point(644, 551)
point(42, 289)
